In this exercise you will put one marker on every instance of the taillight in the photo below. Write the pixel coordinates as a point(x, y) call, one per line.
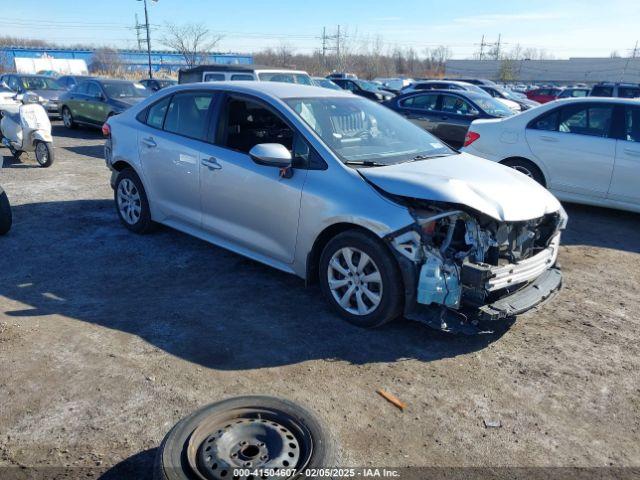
point(470, 137)
point(106, 129)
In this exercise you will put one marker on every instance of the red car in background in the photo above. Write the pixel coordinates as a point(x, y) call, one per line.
point(544, 94)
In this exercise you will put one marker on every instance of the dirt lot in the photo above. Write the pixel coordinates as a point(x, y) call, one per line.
point(107, 339)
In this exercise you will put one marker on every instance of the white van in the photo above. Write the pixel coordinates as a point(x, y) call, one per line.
point(221, 73)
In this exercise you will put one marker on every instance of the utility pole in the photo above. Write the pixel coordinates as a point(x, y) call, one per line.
point(633, 55)
point(146, 25)
point(139, 27)
point(482, 48)
point(338, 47)
point(498, 47)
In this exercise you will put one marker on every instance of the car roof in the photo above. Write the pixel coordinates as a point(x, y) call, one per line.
point(278, 90)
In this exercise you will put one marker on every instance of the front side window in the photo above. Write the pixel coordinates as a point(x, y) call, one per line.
point(93, 90)
point(629, 92)
point(118, 90)
point(187, 114)
point(423, 102)
point(359, 131)
point(248, 123)
point(594, 120)
point(81, 88)
point(632, 124)
point(155, 116)
point(452, 104)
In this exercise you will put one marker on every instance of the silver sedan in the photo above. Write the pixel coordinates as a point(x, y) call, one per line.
point(338, 189)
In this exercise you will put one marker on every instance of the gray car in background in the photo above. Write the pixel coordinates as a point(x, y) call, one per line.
point(338, 189)
point(48, 89)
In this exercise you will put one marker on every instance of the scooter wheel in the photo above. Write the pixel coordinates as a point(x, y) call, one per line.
point(44, 153)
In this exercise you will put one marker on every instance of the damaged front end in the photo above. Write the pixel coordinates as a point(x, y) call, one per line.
point(467, 272)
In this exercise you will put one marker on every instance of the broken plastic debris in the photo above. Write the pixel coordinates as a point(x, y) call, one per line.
point(492, 423)
point(392, 399)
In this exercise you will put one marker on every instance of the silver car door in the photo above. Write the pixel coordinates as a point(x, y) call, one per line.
point(169, 146)
point(250, 206)
point(625, 184)
point(573, 144)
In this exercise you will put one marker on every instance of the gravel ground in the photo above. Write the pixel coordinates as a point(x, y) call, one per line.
point(107, 339)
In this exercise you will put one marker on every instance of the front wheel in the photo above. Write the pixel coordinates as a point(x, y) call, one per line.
point(44, 153)
point(526, 167)
point(5, 213)
point(361, 279)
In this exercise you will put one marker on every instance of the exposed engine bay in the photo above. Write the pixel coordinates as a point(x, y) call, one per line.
point(465, 260)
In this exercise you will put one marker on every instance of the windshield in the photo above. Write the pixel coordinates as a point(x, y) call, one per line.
point(360, 131)
point(491, 106)
point(326, 83)
point(40, 83)
point(118, 90)
point(166, 83)
point(285, 77)
point(370, 86)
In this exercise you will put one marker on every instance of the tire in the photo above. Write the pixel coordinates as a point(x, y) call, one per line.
point(230, 420)
point(129, 191)
point(527, 167)
point(44, 153)
point(6, 218)
point(67, 118)
point(389, 290)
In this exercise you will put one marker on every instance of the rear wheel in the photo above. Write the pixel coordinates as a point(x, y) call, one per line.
point(361, 279)
point(131, 202)
point(67, 118)
point(15, 152)
point(44, 153)
point(527, 167)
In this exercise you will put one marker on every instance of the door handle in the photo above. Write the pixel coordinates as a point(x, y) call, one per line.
point(149, 142)
point(211, 163)
point(633, 153)
point(549, 139)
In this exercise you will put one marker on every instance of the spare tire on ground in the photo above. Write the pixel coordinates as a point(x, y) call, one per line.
point(236, 438)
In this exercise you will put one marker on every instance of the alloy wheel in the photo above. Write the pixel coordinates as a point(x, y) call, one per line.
point(355, 281)
point(129, 203)
point(66, 117)
point(42, 153)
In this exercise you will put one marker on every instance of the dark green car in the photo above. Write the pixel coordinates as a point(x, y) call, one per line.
point(91, 102)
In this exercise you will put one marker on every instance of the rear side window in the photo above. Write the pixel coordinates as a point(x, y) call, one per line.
point(602, 91)
point(594, 120)
point(155, 116)
point(632, 124)
point(548, 121)
point(187, 114)
point(242, 76)
point(423, 102)
point(214, 77)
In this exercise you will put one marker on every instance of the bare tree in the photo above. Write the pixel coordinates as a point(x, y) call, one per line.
point(191, 40)
point(106, 60)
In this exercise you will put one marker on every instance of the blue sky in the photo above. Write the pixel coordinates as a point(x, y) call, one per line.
point(563, 27)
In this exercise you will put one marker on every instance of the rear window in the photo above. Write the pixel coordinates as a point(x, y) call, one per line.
point(213, 77)
point(548, 121)
point(242, 76)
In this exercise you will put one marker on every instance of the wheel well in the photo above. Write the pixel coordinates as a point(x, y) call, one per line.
point(528, 161)
point(313, 258)
point(121, 165)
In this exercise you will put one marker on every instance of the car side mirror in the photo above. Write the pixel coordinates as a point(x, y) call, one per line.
point(273, 155)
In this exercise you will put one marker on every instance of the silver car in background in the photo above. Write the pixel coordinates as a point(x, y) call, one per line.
point(338, 189)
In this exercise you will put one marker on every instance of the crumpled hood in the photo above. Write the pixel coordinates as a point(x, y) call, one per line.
point(488, 187)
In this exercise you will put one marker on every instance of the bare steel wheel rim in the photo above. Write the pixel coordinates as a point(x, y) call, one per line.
point(66, 117)
point(42, 153)
point(355, 281)
point(129, 203)
point(233, 444)
point(524, 170)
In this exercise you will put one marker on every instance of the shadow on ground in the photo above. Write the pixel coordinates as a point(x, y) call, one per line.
point(602, 227)
point(82, 132)
point(138, 466)
point(189, 298)
point(95, 151)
